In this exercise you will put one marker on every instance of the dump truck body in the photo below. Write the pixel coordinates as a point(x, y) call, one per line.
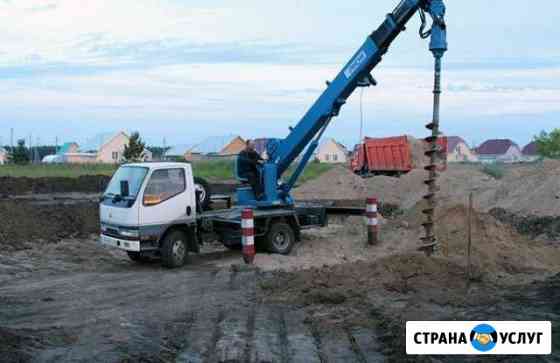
point(382, 156)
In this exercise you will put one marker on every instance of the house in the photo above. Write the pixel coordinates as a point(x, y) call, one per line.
point(459, 151)
point(111, 151)
point(214, 147)
point(177, 152)
point(530, 152)
point(212, 144)
point(499, 150)
point(80, 158)
point(331, 151)
point(3, 156)
point(68, 147)
point(104, 148)
point(234, 147)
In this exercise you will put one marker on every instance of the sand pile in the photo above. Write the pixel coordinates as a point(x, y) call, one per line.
point(406, 191)
point(337, 183)
point(530, 190)
point(417, 149)
point(496, 247)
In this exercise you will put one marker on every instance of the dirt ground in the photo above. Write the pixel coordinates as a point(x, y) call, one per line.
point(23, 185)
point(65, 298)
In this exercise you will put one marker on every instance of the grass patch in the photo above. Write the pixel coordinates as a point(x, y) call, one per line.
point(216, 170)
point(56, 170)
point(213, 170)
point(219, 170)
point(496, 171)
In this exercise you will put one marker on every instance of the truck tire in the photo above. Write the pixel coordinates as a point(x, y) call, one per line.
point(137, 256)
point(280, 238)
point(202, 186)
point(174, 249)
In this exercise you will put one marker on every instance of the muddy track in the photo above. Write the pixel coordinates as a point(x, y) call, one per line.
point(148, 314)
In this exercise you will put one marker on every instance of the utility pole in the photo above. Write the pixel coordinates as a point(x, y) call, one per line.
point(30, 145)
point(11, 139)
point(36, 150)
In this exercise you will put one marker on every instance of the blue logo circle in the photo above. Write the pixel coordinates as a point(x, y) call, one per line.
point(484, 337)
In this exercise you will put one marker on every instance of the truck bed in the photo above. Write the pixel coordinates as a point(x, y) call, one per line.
point(233, 214)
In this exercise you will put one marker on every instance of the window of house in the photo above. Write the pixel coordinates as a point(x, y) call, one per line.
point(165, 184)
point(327, 157)
point(115, 155)
point(335, 157)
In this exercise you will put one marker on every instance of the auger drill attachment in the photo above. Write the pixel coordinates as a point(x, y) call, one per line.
point(438, 46)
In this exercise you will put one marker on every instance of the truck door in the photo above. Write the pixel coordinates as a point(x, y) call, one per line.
point(168, 198)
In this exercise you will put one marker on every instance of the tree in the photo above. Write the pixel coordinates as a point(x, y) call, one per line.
point(134, 151)
point(548, 144)
point(19, 155)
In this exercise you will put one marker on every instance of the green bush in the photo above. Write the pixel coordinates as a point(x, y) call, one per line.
point(496, 171)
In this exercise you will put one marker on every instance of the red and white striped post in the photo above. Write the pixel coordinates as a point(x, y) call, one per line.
point(248, 235)
point(372, 221)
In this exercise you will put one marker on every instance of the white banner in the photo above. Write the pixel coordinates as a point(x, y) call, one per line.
point(478, 337)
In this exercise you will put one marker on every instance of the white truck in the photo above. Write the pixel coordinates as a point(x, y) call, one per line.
point(157, 210)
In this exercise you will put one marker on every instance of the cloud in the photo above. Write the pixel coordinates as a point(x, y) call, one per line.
point(257, 66)
point(41, 8)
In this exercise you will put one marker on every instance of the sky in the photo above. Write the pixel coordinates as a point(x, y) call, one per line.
point(185, 70)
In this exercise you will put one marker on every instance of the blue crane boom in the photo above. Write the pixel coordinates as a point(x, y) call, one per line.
point(356, 73)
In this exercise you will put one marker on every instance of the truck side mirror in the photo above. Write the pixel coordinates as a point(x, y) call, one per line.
point(125, 190)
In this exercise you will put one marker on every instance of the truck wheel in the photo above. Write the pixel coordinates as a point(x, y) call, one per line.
point(174, 249)
point(137, 256)
point(280, 238)
point(203, 188)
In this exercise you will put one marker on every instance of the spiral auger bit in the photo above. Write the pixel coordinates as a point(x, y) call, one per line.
point(438, 46)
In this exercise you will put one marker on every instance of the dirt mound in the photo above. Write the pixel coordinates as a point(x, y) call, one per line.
point(24, 185)
point(337, 284)
point(405, 191)
point(337, 183)
point(417, 149)
point(496, 247)
point(531, 190)
point(25, 223)
point(547, 227)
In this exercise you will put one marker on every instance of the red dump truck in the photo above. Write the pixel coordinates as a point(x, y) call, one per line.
point(390, 156)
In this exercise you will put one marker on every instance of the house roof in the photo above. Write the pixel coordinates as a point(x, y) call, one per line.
point(530, 149)
point(212, 144)
point(453, 141)
point(65, 148)
point(495, 147)
point(336, 143)
point(95, 143)
point(234, 146)
point(178, 150)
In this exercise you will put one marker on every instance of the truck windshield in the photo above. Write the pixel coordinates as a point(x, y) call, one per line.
point(133, 174)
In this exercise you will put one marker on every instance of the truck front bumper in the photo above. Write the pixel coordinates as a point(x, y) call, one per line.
point(122, 244)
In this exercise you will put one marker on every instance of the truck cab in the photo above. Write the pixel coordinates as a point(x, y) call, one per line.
point(151, 209)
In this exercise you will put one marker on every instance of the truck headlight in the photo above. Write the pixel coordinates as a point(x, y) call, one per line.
point(133, 233)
